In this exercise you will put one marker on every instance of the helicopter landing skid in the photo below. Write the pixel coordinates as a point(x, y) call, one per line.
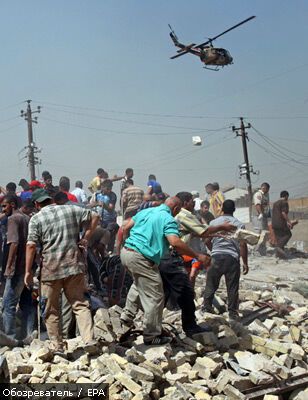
point(212, 69)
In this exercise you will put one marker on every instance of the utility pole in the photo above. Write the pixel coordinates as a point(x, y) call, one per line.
point(245, 169)
point(32, 149)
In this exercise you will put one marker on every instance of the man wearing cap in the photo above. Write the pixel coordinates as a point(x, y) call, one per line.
point(56, 228)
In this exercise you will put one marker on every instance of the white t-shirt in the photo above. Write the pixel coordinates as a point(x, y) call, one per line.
point(81, 195)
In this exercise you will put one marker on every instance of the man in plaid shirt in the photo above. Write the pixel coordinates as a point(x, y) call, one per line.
point(57, 229)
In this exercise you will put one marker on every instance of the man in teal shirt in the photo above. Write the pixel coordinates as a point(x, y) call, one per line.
point(151, 232)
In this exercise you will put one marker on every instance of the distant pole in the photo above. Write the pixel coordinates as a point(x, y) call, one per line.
point(246, 168)
point(32, 149)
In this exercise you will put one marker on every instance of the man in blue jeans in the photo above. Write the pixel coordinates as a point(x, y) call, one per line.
point(17, 231)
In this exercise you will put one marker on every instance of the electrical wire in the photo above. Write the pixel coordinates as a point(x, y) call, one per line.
point(276, 145)
point(117, 132)
point(158, 115)
point(129, 121)
point(273, 154)
point(11, 127)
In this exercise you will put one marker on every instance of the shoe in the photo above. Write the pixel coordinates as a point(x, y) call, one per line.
point(157, 341)
point(280, 253)
point(28, 340)
point(128, 323)
point(208, 309)
point(234, 318)
point(197, 329)
point(91, 347)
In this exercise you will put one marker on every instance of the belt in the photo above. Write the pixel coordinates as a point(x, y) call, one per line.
point(135, 251)
point(129, 249)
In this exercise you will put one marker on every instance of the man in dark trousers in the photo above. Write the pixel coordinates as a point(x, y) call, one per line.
point(177, 283)
point(226, 255)
point(151, 231)
point(281, 224)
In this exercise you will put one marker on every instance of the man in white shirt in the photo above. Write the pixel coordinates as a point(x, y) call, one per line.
point(80, 193)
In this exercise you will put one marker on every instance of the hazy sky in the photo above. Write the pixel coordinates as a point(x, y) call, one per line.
point(112, 98)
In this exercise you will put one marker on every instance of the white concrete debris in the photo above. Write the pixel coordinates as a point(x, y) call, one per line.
point(217, 365)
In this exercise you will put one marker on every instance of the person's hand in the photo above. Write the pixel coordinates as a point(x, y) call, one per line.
point(260, 216)
point(83, 243)
point(204, 259)
point(289, 225)
point(28, 280)
point(227, 227)
point(245, 269)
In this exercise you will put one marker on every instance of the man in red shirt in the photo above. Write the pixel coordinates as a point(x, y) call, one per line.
point(64, 186)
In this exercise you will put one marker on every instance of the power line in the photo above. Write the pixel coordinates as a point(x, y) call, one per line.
point(276, 145)
point(167, 115)
point(130, 121)
point(117, 132)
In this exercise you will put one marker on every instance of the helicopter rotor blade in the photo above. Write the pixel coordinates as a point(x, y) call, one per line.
point(228, 30)
point(185, 50)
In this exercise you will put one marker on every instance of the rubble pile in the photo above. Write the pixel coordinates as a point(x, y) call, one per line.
point(227, 363)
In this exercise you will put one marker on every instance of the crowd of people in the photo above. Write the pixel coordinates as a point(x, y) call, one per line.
point(71, 247)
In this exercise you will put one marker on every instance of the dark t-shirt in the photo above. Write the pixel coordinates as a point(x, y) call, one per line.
point(17, 232)
point(278, 222)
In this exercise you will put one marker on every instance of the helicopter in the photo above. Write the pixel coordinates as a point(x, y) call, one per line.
point(207, 53)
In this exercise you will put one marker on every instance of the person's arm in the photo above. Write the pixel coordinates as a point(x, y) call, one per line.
point(30, 256)
point(90, 229)
point(183, 248)
point(225, 227)
point(90, 188)
point(84, 199)
point(11, 256)
point(126, 228)
point(116, 178)
point(244, 256)
point(124, 200)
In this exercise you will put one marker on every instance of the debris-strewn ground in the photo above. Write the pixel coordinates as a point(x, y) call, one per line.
point(260, 356)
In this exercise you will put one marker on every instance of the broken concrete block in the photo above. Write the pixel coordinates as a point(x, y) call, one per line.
point(260, 378)
point(156, 354)
point(206, 367)
point(141, 396)
point(134, 356)
point(127, 382)
point(114, 388)
point(139, 374)
point(119, 360)
point(278, 347)
point(297, 352)
point(227, 376)
point(250, 361)
point(184, 369)
point(258, 328)
point(202, 395)
point(155, 369)
point(193, 388)
point(269, 324)
point(173, 378)
point(299, 313)
point(192, 375)
point(233, 393)
point(286, 360)
point(295, 333)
